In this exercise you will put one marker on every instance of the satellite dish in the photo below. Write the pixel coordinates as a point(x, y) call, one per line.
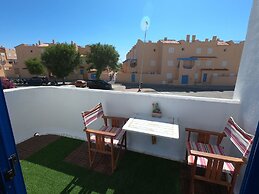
point(133, 63)
point(145, 23)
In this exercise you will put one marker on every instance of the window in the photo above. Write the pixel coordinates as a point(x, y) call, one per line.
point(169, 76)
point(196, 76)
point(210, 50)
point(198, 50)
point(152, 63)
point(197, 62)
point(208, 63)
point(225, 50)
point(182, 49)
point(171, 50)
point(224, 63)
point(170, 63)
point(31, 51)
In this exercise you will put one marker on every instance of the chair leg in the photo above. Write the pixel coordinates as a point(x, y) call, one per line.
point(192, 179)
point(89, 152)
point(112, 159)
point(233, 181)
point(125, 140)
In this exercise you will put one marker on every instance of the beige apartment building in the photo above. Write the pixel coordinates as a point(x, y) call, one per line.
point(183, 62)
point(26, 51)
point(8, 59)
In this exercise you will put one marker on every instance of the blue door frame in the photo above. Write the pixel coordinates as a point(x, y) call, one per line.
point(11, 179)
point(251, 177)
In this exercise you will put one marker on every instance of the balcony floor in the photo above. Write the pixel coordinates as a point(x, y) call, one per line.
point(65, 169)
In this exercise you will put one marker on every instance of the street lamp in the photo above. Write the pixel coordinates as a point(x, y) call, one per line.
point(145, 24)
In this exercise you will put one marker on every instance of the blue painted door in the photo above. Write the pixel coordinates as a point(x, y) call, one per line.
point(133, 77)
point(204, 77)
point(185, 79)
point(250, 180)
point(11, 179)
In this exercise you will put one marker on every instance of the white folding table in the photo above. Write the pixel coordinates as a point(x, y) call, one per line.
point(163, 127)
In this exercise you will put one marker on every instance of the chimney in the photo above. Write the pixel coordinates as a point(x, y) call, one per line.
point(39, 42)
point(165, 38)
point(206, 40)
point(72, 42)
point(53, 41)
point(187, 38)
point(193, 38)
point(214, 38)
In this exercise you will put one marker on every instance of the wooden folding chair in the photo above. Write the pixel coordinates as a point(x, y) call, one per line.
point(110, 136)
point(210, 156)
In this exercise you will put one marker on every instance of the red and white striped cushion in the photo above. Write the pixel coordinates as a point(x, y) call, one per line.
point(92, 115)
point(241, 139)
point(214, 149)
point(119, 134)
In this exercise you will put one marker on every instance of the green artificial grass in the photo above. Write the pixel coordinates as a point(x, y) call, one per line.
point(46, 172)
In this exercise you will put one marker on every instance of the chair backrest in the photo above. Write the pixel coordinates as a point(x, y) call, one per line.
point(92, 115)
point(241, 139)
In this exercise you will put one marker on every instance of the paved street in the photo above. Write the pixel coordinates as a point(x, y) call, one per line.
point(223, 92)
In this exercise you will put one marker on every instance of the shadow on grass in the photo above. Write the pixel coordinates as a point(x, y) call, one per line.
point(46, 172)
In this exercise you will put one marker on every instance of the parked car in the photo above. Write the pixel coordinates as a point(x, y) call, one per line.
point(80, 83)
point(99, 84)
point(38, 81)
point(6, 83)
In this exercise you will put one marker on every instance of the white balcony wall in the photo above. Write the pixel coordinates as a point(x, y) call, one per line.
point(56, 110)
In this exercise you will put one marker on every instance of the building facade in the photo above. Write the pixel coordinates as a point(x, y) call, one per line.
point(183, 62)
point(8, 60)
point(26, 51)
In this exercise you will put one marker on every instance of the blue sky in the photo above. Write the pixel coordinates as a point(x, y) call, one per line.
point(117, 22)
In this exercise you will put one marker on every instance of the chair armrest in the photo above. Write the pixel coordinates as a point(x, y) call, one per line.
point(98, 132)
point(216, 156)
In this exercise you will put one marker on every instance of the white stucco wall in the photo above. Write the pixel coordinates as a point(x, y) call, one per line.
point(56, 110)
point(247, 85)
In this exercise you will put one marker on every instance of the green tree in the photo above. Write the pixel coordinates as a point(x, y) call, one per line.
point(101, 57)
point(61, 59)
point(35, 66)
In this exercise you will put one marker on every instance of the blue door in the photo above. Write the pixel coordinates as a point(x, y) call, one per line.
point(11, 179)
point(250, 181)
point(185, 79)
point(133, 77)
point(204, 77)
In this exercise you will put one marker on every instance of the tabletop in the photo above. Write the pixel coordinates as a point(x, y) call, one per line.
point(163, 127)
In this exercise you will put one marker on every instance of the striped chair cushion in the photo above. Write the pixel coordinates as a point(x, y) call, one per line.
point(118, 138)
point(239, 137)
point(214, 149)
point(92, 115)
